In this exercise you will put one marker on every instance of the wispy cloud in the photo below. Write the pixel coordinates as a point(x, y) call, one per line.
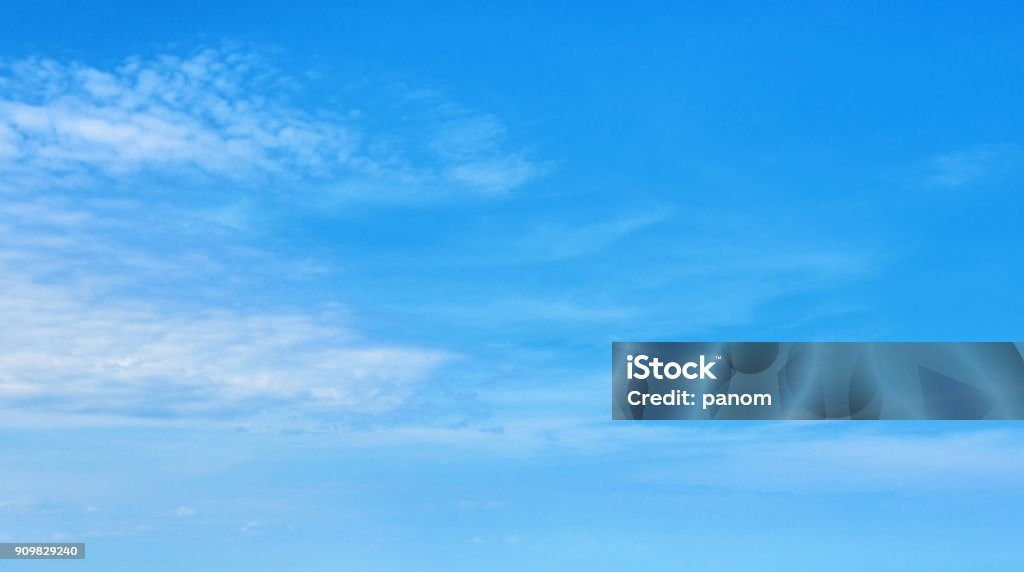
point(65, 350)
point(223, 113)
point(77, 339)
point(471, 146)
point(969, 166)
point(84, 332)
point(205, 114)
point(556, 242)
point(72, 345)
point(816, 459)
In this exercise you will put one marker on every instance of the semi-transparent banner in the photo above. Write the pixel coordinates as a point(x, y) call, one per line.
point(817, 380)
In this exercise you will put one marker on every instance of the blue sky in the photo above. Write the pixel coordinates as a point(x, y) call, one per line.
point(334, 285)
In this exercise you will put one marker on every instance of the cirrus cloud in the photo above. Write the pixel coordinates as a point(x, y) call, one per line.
point(223, 114)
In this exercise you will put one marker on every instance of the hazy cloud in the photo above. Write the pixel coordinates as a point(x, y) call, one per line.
point(970, 166)
point(66, 350)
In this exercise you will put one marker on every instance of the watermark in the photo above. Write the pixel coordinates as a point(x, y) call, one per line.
point(817, 380)
point(42, 550)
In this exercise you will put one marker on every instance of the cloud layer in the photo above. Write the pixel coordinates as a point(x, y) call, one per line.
point(83, 331)
point(227, 114)
point(66, 352)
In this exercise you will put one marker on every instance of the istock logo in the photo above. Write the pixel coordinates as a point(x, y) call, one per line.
point(667, 370)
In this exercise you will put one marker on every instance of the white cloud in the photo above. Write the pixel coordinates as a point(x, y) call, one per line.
point(65, 350)
point(15, 504)
point(493, 175)
point(85, 336)
point(470, 145)
point(226, 114)
point(971, 166)
point(557, 242)
point(204, 114)
point(253, 526)
point(74, 343)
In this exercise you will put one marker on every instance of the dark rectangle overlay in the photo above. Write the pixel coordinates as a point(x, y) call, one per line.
point(817, 380)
